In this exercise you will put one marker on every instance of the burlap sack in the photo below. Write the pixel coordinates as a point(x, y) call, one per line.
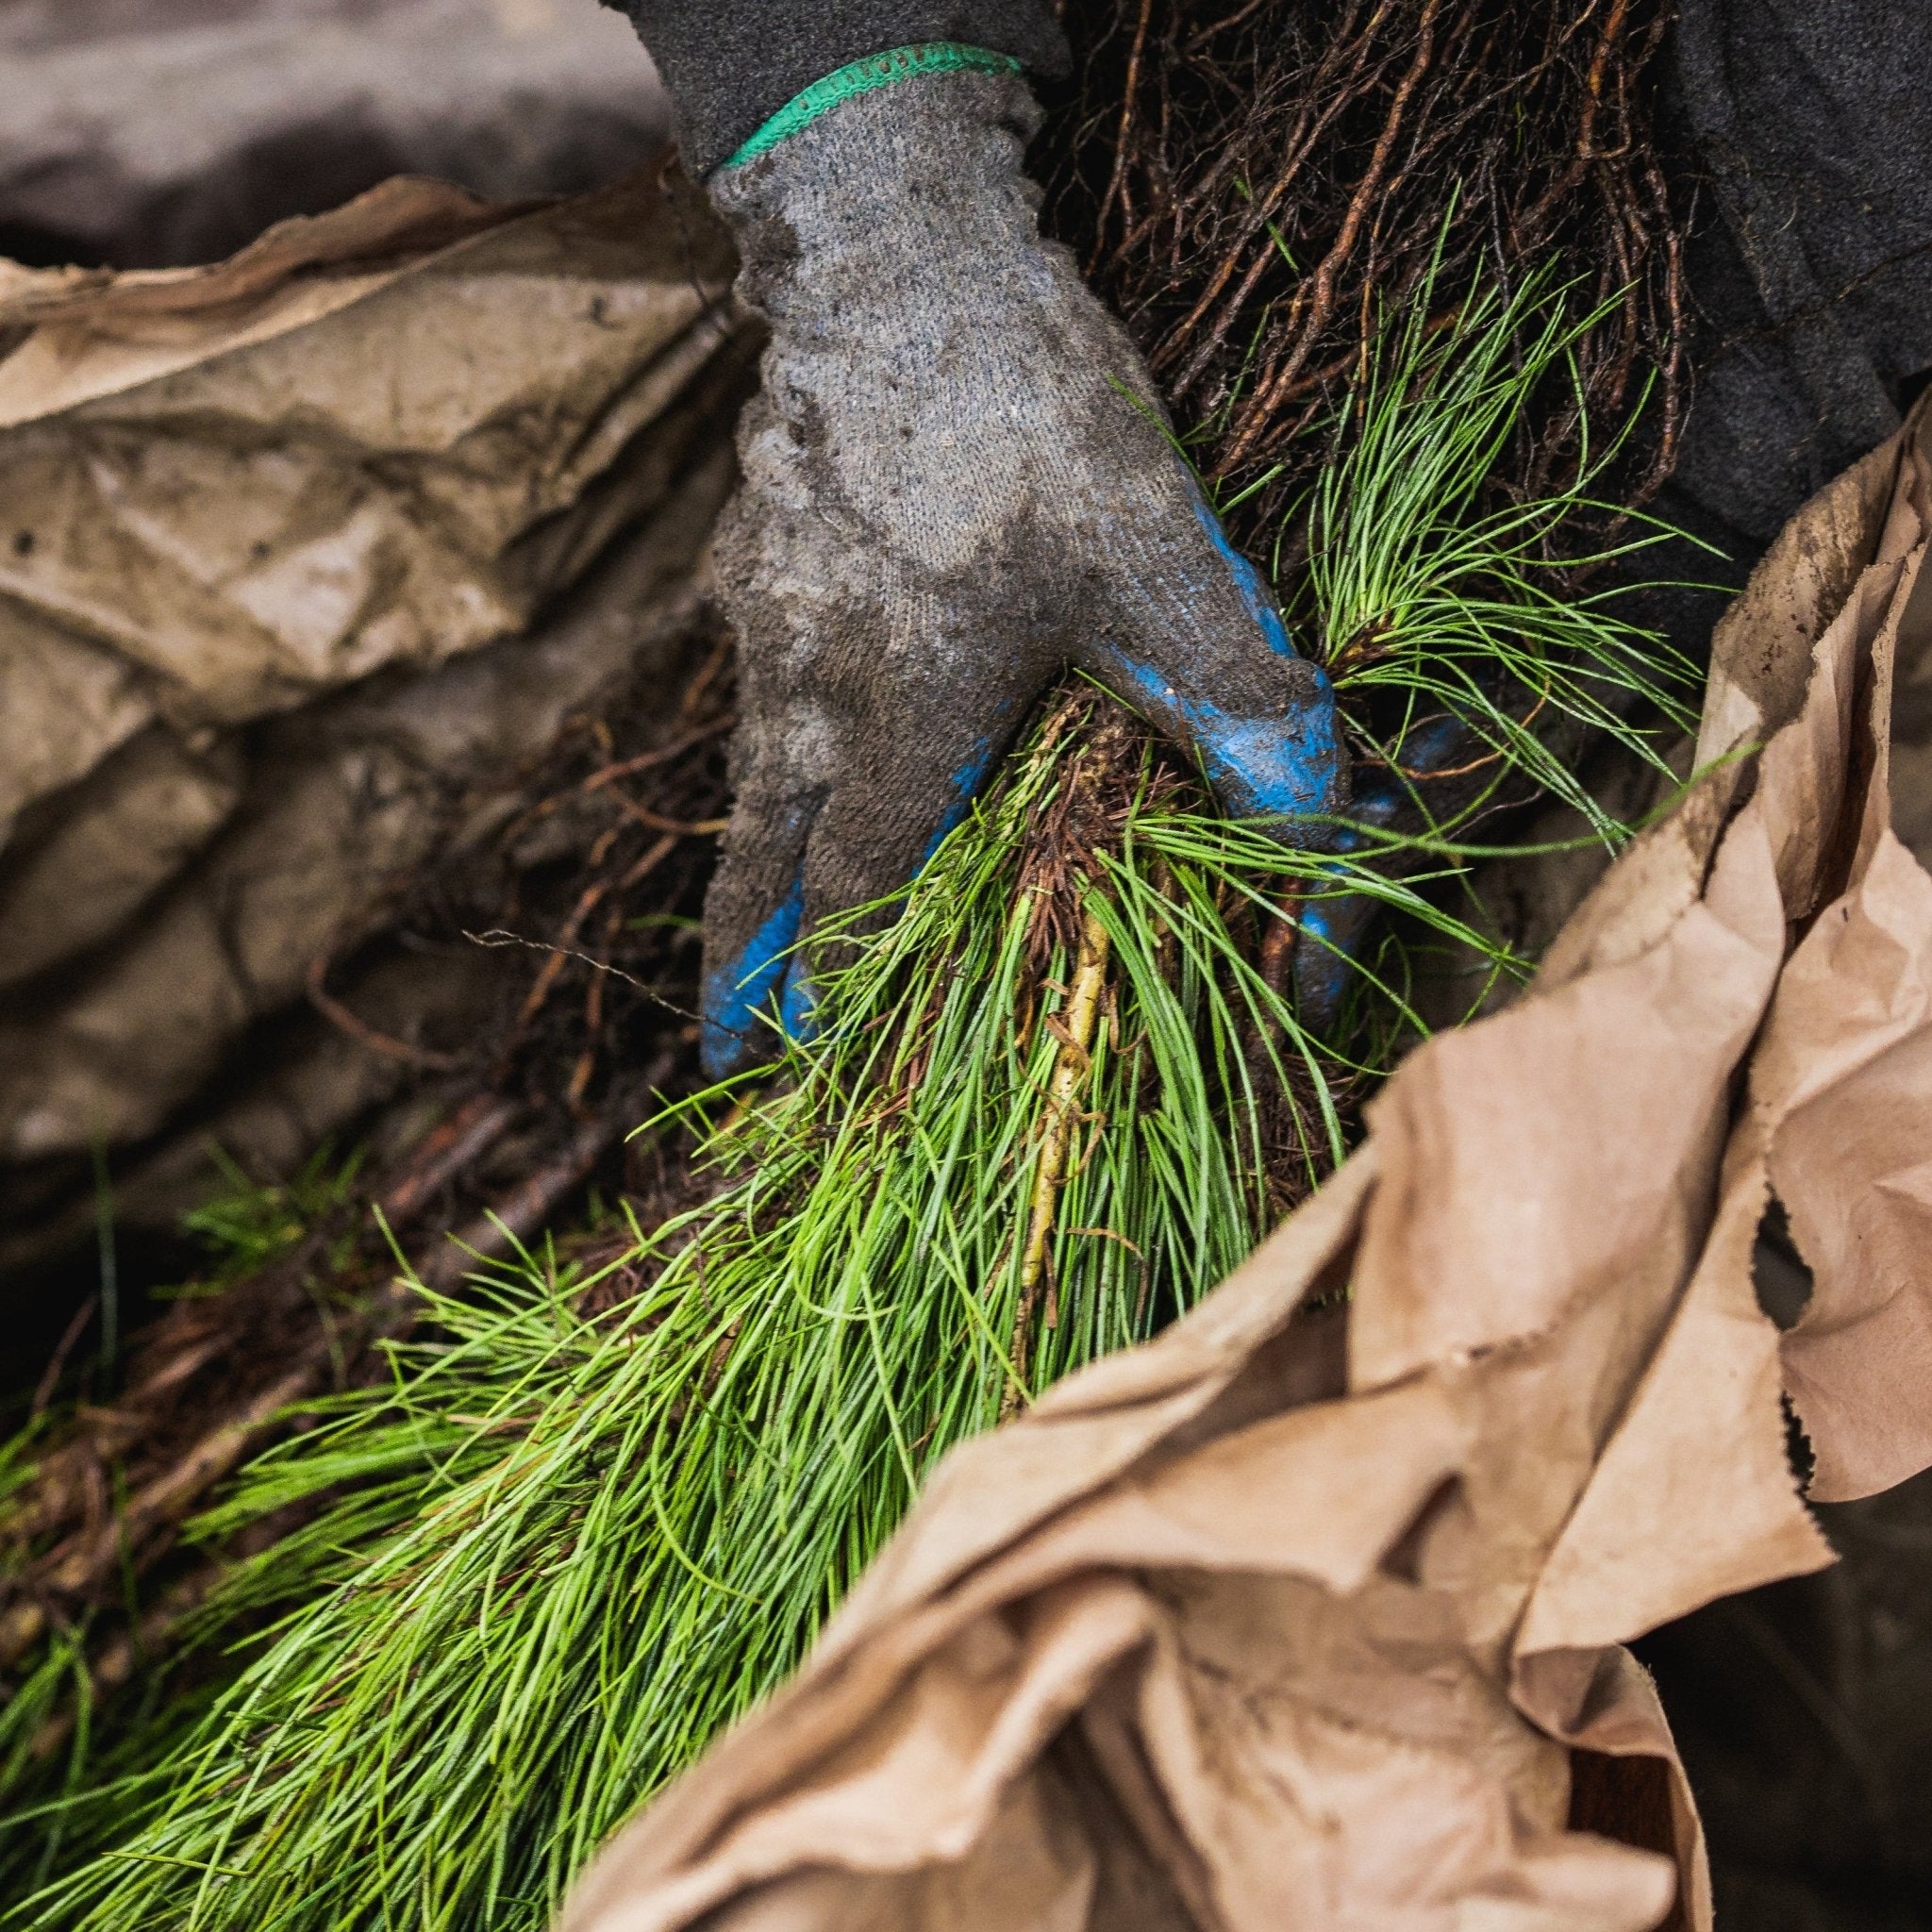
point(1313, 1612)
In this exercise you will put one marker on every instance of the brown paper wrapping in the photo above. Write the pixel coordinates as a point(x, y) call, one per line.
point(1312, 1612)
point(302, 557)
point(371, 439)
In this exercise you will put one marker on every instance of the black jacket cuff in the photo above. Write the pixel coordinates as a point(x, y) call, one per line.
point(731, 64)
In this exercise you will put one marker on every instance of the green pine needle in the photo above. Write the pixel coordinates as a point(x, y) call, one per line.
point(1423, 601)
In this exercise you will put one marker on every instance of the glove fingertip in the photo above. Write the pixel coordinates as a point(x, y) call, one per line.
point(1289, 766)
point(1276, 768)
point(1327, 944)
point(738, 990)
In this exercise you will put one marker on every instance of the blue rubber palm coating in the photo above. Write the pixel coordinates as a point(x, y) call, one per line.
point(1334, 929)
point(739, 995)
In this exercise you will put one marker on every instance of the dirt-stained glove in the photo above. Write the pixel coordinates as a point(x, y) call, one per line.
point(955, 484)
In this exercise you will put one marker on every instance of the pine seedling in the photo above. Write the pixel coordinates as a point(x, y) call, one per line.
point(592, 1517)
point(1046, 1111)
point(1425, 598)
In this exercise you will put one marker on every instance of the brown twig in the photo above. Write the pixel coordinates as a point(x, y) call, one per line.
point(56, 1362)
point(1324, 290)
point(656, 821)
point(359, 1030)
point(651, 760)
point(1260, 191)
point(449, 1148)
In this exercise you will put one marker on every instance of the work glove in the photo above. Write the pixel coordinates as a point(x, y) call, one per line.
point(957, 482)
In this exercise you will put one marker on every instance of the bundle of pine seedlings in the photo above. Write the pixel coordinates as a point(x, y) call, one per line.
point(475, 1611)
point(594, 1512)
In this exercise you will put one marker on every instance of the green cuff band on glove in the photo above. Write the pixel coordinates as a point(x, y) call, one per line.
point(861, 77)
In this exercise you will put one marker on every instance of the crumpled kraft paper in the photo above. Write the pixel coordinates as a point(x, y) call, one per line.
point(349, 801)
point(1312, 1612)
point(375, 438)
point(301, 557)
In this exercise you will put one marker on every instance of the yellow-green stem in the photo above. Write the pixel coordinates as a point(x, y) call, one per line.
point(1074, 1034)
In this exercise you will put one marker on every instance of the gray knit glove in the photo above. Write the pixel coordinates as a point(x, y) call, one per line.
point(954, 486)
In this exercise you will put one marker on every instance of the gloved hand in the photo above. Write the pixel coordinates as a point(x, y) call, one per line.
point(954, 484)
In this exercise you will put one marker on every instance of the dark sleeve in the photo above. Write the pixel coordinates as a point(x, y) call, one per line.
point(732, 64)
point(1807, 127)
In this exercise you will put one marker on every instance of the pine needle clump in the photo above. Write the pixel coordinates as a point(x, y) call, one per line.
point(604, 1494)
point(481, 1610)
point(576, 1536)
point(1447, 610)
